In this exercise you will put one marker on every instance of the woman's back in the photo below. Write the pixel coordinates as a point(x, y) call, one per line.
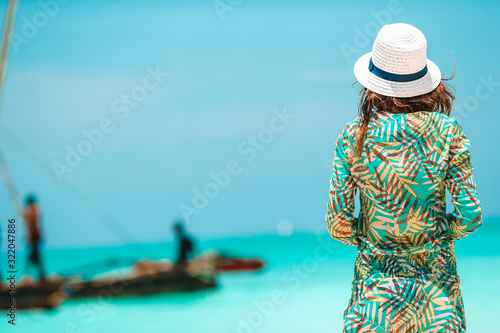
point(407, 162)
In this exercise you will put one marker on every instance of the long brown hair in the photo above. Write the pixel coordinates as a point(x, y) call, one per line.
point(438, 100)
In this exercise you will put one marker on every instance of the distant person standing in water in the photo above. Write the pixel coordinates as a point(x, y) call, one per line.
point(32, 219)
point(185, 245)
point(402, 153)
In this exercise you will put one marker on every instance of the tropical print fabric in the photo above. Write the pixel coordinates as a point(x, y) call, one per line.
point(405, 274)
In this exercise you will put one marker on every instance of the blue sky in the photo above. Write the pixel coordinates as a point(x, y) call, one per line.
point(226, 81)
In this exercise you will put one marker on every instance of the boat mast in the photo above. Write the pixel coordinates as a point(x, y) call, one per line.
point(6, 37)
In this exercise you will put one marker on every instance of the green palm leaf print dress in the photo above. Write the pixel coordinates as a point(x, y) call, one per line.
point(405, 276)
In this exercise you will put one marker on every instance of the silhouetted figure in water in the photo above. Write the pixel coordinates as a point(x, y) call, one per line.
point(32, 218)
point(185, 246)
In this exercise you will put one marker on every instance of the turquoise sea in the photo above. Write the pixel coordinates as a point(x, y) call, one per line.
point(304, 288)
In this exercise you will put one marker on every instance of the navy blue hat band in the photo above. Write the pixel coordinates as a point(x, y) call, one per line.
point(396, 77)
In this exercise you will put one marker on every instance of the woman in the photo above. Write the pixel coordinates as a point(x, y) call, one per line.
point(402, 153)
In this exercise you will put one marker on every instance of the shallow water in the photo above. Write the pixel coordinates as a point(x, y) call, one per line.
point(305, 288)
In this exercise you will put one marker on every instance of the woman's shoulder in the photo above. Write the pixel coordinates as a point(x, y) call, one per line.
point(445, 123)
point(353, 125)
point(348, 133)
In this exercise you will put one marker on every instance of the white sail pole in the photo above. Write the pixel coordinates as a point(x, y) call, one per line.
point(6, 36)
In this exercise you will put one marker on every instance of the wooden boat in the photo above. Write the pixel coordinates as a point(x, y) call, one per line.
point(46, 295)
point(229, 264)
point(152, 277)
point(145, 278)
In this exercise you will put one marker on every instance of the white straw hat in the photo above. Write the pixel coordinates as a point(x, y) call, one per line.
point(398, 64)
